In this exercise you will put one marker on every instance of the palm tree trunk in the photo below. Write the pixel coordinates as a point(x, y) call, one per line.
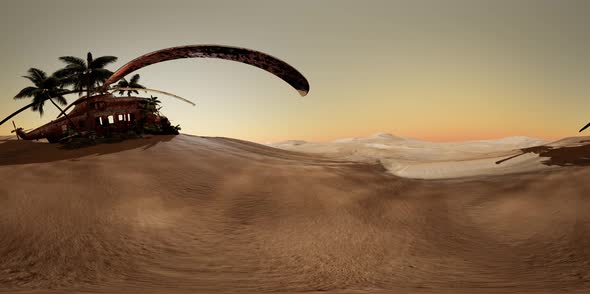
point(16, 112)
point(64, 114)
point(90, 111)
point(89, 90)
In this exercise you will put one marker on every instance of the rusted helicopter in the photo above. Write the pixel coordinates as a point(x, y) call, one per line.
point(104, 114)
point(101, 115)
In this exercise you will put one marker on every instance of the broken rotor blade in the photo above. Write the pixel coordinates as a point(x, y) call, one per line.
point(156, 91)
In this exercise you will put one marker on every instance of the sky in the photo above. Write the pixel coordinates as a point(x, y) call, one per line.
point(434, 70)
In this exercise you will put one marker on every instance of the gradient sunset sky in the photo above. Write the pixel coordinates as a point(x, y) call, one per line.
point(434, 70)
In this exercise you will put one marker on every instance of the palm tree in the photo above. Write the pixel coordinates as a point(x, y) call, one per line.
point(151, 105)
point(85, 75)
point(154, 102)
point(45, 88)
point(133, 83)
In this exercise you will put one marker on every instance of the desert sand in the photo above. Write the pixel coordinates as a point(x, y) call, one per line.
point(191, 214)
point(413, 158)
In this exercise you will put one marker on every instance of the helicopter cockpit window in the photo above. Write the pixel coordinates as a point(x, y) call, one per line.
point(102, 121)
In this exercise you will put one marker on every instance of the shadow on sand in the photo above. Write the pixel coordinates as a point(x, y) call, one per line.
point(559, 156)
point(14, 152)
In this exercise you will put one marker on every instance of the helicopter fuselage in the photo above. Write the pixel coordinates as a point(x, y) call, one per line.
point(102, 114)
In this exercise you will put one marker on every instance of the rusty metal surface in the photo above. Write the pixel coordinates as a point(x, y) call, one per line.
point(80, 101)
point(84, 115)
point(82, 112)
point(261, 60)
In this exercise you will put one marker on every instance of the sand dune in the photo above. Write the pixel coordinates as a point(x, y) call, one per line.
point(413, 158)
point(192, 214)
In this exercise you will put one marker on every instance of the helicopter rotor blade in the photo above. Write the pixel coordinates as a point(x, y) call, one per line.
point(585, 127)
point(258, 59)
point(511, 157)
point(156, 91)
point(9, 138)
point(14, 131)
point(14, 125)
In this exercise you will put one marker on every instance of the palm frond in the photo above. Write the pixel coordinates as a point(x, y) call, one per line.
point(134, 79)
point(61, 92)
point(66, 82)
point(38, 102)
point(61, 100)
point(26, 92)
point(80, 86)
point(63, 73)
point(76, 67)
point(51, 83)
point(29, 78)
point(36, 75)
point(100, 75)
point(72, 60)
point(102, 61)
point(122, 84)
